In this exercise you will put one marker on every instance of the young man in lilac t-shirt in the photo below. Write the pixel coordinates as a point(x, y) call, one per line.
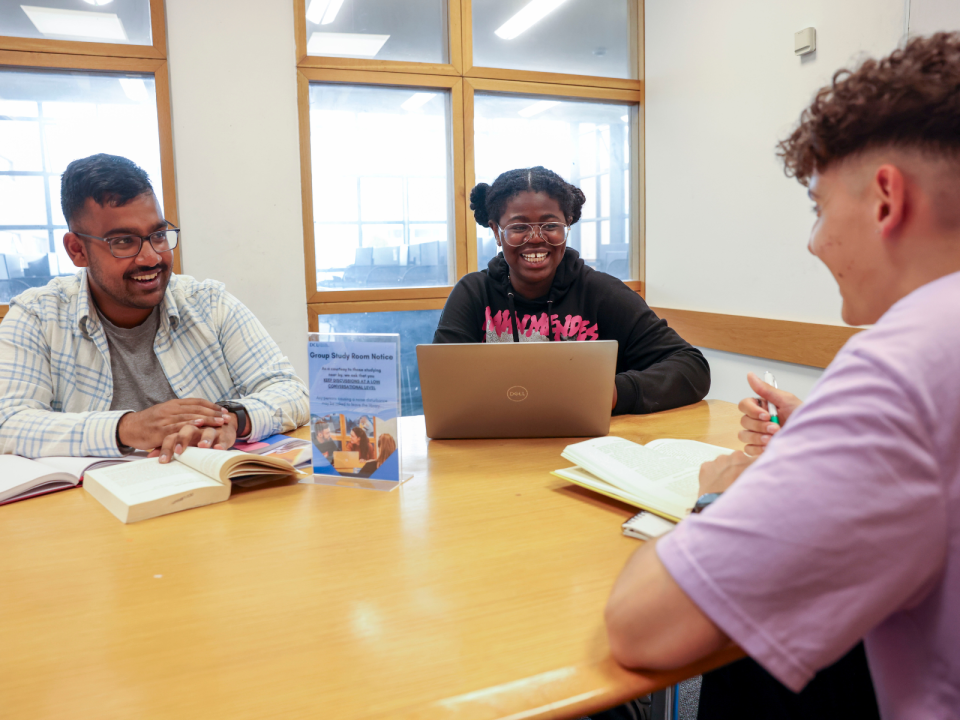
point(848, 525)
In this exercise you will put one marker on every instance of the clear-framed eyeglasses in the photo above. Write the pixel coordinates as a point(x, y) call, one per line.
point(517, 234)
point(127, 246)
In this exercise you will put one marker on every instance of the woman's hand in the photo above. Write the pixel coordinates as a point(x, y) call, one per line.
point(757, 428)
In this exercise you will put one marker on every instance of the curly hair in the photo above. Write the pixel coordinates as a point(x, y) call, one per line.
point(105, 178)
point(909, 99)
point(489, 201)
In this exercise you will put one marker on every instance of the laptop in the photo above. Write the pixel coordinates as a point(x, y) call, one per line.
point(517, 390)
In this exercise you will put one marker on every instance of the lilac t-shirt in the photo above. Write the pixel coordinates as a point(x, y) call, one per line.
point(848, 526)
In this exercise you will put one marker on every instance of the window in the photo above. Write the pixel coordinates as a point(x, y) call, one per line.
point(115, 21)
point(588, 143)
point(576, 37)
point(405, 106)
point(69, 89)
point(47, 119)
point(411, 30)
point(381, 200)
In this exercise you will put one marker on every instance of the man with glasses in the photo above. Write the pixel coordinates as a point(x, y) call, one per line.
point(125, 355)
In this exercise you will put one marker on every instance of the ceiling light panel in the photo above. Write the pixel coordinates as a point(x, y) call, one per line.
point(76, 24)
point(315, 11)
point(323, 12)
point(345, 44)
point(417, 100)
point(529, 15)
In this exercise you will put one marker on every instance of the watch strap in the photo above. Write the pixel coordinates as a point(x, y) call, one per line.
point(705, 500)
point(243, 419)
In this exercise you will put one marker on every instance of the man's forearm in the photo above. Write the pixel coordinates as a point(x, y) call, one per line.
point(651, 623)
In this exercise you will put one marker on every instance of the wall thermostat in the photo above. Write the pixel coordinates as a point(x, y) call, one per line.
point(805, 41)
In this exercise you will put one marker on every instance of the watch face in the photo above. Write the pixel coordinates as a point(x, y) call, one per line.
point(705, 500)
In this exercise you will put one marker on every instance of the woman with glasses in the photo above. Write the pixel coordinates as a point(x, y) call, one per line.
point(538, 290)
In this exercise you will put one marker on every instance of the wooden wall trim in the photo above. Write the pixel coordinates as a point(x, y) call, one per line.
point(794, 342)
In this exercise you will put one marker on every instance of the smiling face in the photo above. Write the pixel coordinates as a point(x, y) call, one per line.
point(532, 265)
point(856, 213)
point(125, 289)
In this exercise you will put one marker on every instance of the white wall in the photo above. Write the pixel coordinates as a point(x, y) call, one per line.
point(236, 148)
point(726, 231)
point(929, 16)
point(728, 375)
point(722, 87)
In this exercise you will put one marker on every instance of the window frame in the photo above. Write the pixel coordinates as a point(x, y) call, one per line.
point(155, 51)
point(463, 80)
point(72, 55)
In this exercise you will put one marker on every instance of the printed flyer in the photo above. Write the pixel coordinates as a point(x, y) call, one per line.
point(354, 409)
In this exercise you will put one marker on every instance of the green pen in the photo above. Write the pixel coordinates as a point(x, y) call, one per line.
point(769, 379)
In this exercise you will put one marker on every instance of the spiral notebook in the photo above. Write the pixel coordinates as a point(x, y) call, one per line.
point(646, 526)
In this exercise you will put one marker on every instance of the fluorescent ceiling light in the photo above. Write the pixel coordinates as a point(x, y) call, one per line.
point(98, 2)
point(57, 23)
point(537, 108)
point(417, 100)
point(135, 89)
point(530, 14)
point(322, 11)
point(345, 44)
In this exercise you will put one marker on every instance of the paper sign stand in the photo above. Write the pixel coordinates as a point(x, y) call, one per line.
point(355, 410)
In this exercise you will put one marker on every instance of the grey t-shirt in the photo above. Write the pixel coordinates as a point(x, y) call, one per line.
point(138, 379)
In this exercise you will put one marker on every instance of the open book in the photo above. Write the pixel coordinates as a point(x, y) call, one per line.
point(21, 478)
point(662, 477)
point(145, 489)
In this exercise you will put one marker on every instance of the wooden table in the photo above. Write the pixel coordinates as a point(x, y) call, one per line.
point(474, 591)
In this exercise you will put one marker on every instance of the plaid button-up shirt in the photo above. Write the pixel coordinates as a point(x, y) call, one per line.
point(56, 384)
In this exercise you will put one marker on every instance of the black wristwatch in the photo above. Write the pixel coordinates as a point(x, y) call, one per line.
point(243, 424)
point(704, 500)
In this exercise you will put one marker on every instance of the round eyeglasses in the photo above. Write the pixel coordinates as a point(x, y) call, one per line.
point(127, 246)
point(517, 234)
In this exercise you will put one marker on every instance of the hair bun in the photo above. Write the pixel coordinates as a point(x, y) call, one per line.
point(478, 203)
point(578, 200)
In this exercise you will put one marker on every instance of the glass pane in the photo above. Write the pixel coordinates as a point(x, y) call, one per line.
point(416, 327)
point(116, 21)
point(47, 120)
point(412, 30)
point(22, 200)
point(577, 37)
point(381, 160)
point(587, 143)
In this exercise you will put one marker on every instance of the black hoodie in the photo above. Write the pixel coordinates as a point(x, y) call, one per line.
point(656, 368)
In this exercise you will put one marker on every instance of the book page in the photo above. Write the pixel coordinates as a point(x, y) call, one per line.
point(208, 462)
point(18, 474)
point(147, 480)
point(691, 451)
point(638, 469)
point(79, 465)
point(653, 502)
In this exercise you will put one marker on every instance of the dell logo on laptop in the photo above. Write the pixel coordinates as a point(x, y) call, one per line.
point(518, 393)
